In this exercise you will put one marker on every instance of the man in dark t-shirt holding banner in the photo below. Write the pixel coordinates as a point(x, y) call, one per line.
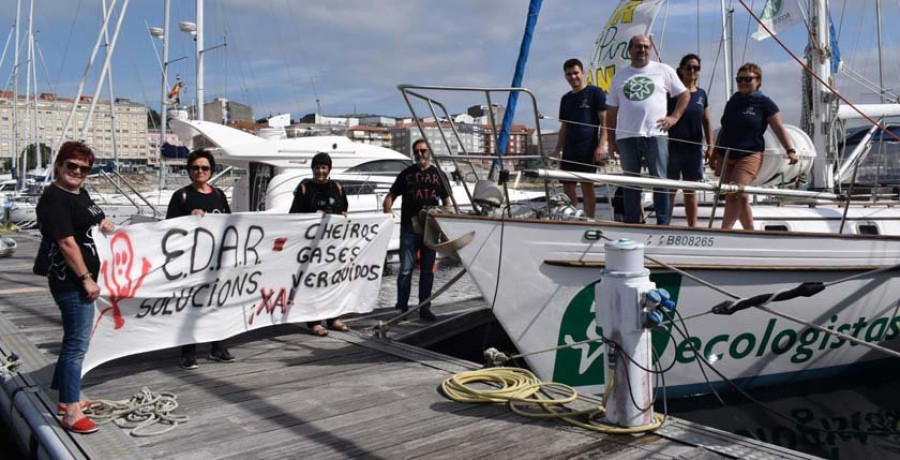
point(582, 111)
point(420, 185)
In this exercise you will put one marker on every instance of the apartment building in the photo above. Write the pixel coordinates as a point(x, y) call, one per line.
point(46, 123)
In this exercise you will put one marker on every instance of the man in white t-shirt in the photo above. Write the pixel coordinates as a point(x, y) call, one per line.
point(637, 103)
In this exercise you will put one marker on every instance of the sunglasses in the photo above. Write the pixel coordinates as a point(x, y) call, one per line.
point(744, 79)
point(692, 67)
point(72, 166)
point(421, 150)
point(200, 168)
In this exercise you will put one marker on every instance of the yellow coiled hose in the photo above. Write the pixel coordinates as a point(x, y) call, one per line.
point(517, 386)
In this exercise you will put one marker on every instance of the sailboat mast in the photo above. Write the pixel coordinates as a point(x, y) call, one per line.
point(112, 101)
point(880, 52)
point(818, 57)
point(199, 42)
point(15, 99)
point(726, 37)
point(29, 115)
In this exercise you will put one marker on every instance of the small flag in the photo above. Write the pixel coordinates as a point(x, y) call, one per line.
point(778, 15)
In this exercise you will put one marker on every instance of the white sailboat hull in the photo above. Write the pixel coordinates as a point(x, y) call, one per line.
point(539, 277)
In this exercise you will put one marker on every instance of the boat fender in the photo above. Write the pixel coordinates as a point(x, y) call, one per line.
point(807, 289)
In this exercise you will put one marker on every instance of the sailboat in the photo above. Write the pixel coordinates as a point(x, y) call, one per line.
point(539, 277)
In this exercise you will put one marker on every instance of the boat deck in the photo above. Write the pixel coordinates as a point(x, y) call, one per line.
point(292, 395)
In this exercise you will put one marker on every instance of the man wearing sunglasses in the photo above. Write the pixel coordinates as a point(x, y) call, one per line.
point(420, 185)
point(638, 98)
point(198, 199)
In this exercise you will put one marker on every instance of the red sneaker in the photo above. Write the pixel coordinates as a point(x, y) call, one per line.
point(84, 425)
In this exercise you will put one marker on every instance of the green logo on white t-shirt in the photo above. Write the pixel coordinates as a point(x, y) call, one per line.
point(638, 88)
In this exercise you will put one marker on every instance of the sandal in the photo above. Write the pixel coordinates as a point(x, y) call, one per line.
point(319, 330)
point(84, 425)
point(61, 407)
point(337, 325)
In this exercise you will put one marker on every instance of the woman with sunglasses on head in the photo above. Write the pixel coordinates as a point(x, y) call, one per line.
point(746, 117)
point(686, 152)
point(66, 215)
point(198, 199)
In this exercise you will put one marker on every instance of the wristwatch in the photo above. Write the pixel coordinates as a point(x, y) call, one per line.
point(85, 276)
point(791, 150)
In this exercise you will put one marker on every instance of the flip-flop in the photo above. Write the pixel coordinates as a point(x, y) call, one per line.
point(339, 326)
point(319, 330)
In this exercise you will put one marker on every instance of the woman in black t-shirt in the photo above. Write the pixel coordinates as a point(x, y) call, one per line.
point(198, 199)
point(66, 215)
point(321, 194)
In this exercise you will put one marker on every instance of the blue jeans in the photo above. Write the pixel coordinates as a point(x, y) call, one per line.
point(656, 150)
point(77, 319)
point(410, 242)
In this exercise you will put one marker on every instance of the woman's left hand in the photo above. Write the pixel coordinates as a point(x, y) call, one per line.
point(792, 158)
point(107, 226)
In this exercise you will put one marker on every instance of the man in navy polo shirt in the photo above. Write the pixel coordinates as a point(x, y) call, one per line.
point(581, 111)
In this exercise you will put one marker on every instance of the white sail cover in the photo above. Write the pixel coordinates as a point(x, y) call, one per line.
point(630, 18)
point(778, 15)
point(198, 279)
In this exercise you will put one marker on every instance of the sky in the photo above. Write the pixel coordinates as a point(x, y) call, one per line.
point(282, 56)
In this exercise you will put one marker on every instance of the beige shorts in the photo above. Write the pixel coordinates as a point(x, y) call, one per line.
point(741, 170)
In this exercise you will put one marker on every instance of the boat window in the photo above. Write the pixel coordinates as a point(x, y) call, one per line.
point(867, 228)
point(260, 175)
point(776, 227)
point(355, 187)
point(385, 167)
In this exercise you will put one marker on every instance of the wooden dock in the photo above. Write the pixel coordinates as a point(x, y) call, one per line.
point(292, 395)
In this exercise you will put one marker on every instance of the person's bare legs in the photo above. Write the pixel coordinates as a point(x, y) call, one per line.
point(569, 189)
point(745, 212)
point(590, 199)
point(690, 207)
point(732, 209)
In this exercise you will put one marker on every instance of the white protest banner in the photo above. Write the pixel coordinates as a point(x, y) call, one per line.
point(630, 18)
point(778, 15)
point(199, 279)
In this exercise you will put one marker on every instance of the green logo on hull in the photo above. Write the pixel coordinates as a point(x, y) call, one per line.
point(584, 364)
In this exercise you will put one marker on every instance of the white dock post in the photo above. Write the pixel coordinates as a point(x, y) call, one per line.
point(620, 312)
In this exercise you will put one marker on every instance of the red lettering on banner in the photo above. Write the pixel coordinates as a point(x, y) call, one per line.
point(279, 244)
point(271, 302)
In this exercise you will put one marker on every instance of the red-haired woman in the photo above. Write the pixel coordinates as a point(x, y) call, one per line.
point(66, 215)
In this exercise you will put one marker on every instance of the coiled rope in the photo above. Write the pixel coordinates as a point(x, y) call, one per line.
point(519, 388)
point(138, 413)
point(8, 366)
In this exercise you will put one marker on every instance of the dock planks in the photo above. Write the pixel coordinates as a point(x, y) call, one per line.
point(292, 395)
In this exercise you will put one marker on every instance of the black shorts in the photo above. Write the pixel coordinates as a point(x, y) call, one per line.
point(574, 164)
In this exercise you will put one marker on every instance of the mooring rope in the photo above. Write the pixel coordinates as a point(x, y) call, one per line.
point(9, 365)
point(138, 413)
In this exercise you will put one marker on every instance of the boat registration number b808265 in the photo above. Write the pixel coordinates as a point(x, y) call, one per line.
point(681, 240)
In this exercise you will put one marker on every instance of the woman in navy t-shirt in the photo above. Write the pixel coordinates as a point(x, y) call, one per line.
point(686, 150)
point(746, 117)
